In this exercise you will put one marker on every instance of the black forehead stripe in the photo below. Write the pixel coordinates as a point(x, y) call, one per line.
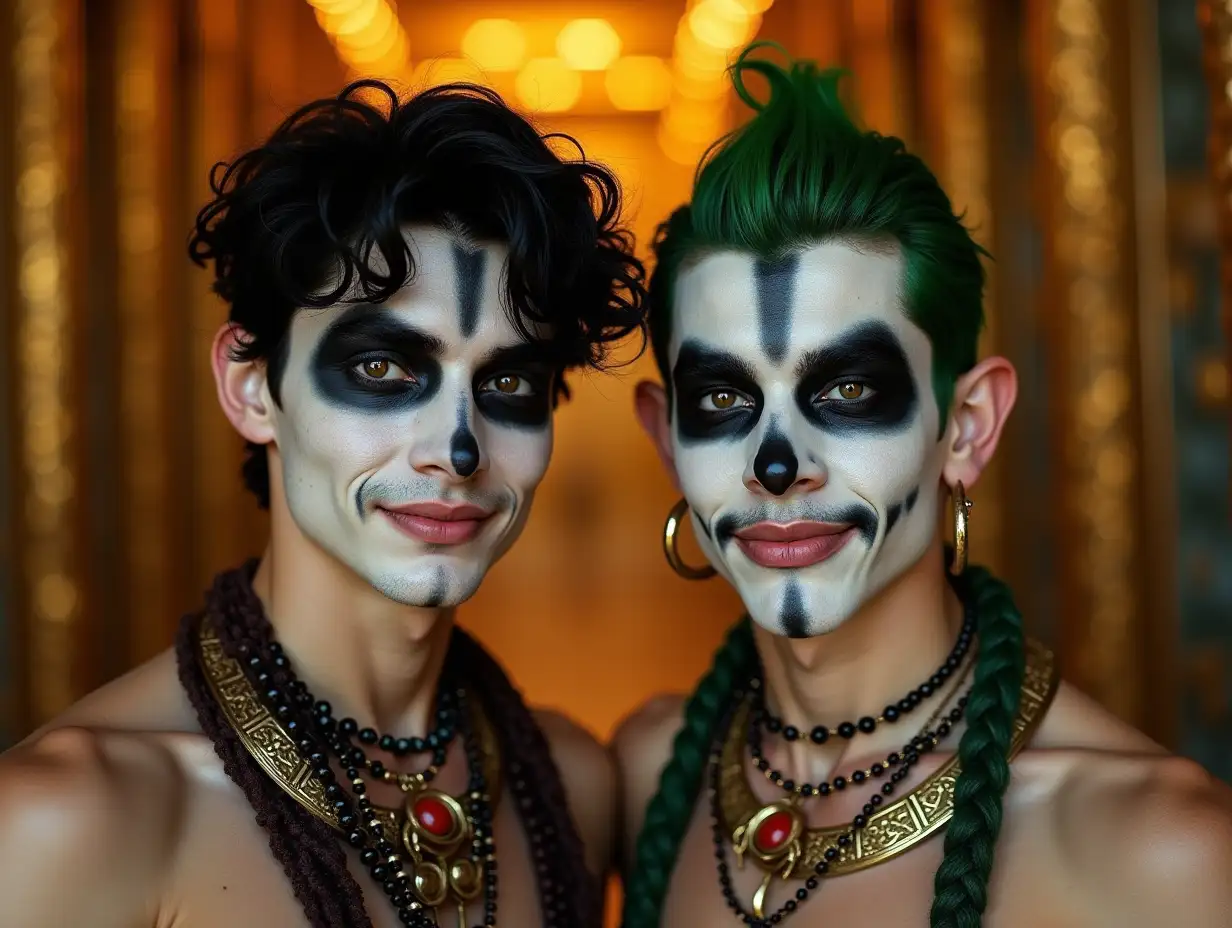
point(776, 291)
point(698, 359)
point(468, 267)
point(872, 341)
point(358, 326)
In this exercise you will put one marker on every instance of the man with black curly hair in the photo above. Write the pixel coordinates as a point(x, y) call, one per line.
point(408, 283)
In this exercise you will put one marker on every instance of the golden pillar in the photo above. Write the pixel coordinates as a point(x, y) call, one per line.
point(43, 359)
point(1102, 255)
point(1215, 17)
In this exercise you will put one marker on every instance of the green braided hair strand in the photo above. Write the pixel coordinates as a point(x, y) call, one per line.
point(668, 815)
point(960, 891)
point(799, 173)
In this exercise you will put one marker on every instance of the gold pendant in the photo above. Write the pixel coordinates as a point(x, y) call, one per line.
point(434, 830)
point(771, 836)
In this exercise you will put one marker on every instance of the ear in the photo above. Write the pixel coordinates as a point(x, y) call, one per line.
point(983, 398)
point(243, 388)
point(650, 401)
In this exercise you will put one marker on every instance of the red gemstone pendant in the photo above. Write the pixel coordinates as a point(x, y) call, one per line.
point(773, 832)
point(434, 816)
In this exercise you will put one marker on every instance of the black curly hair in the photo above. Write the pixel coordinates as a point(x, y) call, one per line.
point(298, 221)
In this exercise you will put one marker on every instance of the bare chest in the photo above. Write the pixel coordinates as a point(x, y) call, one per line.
point(227, 873)
point(1024, 892)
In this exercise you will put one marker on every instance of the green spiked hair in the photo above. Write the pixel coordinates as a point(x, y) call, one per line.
point(801, 172)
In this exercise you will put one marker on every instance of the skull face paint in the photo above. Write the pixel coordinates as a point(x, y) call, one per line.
point(412, 434)
point(804, 428)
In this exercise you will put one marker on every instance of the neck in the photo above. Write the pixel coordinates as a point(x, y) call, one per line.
point(371, 658)
point(896, 641)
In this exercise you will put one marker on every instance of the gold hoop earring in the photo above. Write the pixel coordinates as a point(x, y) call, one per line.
point(669, 546)
point(962, 508)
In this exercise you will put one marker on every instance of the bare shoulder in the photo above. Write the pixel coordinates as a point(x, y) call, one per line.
point(589, 778)
point(1075, 721)
point(1150, 835)
point(88, 824)
point(642, 745)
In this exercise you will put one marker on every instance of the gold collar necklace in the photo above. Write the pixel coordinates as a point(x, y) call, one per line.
point(774, 835)
point(433, 827)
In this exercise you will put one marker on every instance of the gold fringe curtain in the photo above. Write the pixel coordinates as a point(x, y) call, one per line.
point(1113, 639)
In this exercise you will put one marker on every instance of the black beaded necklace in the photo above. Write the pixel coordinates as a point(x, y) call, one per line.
point(910, 755)
point(269, 669)
point(820, 734)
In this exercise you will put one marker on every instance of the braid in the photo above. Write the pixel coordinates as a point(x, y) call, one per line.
point(569, 892)
point(669, 812)
point(307, 848)
point(961, 885)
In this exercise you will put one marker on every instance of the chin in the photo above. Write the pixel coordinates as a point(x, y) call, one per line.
point(433, 582)
point(794, 606)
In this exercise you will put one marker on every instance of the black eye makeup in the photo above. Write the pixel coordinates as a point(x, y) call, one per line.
point(716, 395)
point(860, 382)
point(514, 386)
point(371, 361)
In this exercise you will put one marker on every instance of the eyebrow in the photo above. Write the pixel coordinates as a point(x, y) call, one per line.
point(369, 321)
point(699, 359)
point(519, 354)
point(865, 341)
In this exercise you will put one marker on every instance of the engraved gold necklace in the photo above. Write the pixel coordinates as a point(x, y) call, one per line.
point(775, 836)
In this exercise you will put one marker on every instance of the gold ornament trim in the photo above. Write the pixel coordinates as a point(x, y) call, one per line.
point(893, 829)
point(273, 747)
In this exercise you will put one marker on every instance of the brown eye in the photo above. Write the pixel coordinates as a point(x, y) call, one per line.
point(377, 370)
point(723, 399)
point(509, 385)
point(851, 391)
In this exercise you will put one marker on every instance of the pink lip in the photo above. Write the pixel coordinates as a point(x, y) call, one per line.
point(794, 544)
point(438, 523)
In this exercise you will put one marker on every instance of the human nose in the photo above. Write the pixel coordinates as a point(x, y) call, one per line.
point(448, 447)
point(781, 465)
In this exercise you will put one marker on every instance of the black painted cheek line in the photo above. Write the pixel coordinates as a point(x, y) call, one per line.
point(705, 528)
point(468, 272)
point(463, 448)
point(440, 588)
point(776, 288)
point(792, 617)
point(892, 514)
point(359, 496)
point(911, 498)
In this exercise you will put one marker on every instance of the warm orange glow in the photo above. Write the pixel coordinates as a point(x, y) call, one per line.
point(495, 44)
point(639, 82)
point(363, 16)
point(679, 150)
point(695, 58)
point(711, 87)
point(695, 121)
point(548, 85)
point(588, 44)
point(366, 34)
point(724, 24)
point(434, 71)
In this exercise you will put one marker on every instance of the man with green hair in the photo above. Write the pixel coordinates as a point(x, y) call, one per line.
point(815, 311)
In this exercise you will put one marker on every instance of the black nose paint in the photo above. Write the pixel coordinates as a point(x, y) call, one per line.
point(775, 465)
point(463, 448)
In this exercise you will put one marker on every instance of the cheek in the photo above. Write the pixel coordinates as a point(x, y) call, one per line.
point(711, 473)
point(519, 457)
point(318, 437)
point(881, 469)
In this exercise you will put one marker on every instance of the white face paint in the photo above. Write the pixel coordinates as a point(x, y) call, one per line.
point(804, 428)
point(413, 433)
